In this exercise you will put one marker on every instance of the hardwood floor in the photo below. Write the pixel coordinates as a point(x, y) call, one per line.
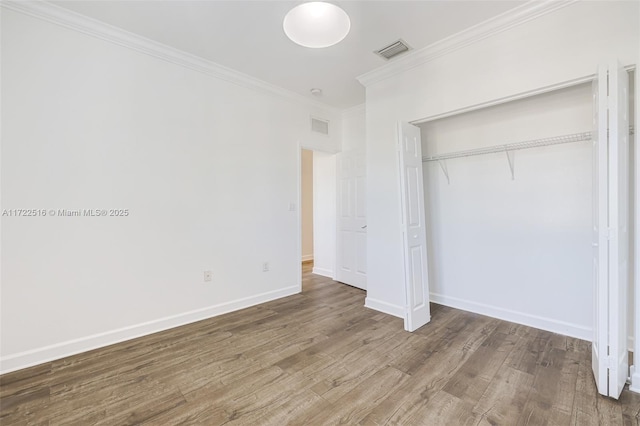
point(321, 358)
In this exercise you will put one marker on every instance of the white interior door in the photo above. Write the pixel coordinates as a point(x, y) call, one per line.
point(417, 311)
point(611, 229)
point(352, 220)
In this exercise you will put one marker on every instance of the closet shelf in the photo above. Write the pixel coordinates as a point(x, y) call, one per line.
point(535, 143)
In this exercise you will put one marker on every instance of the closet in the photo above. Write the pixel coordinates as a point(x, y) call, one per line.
point(523, 203)
point(513, 241)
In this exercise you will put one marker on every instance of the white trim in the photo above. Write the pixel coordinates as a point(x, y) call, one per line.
point(507, 99)
point(336, 231)
point(322, 271)
point(387, 308)
point(505, 21)
point(518, 96)
point(635, 376)
point(71, 347)
point(548, 324)
point(635, 380)
point(298, 213)
point(95, 28)
point(307, 257)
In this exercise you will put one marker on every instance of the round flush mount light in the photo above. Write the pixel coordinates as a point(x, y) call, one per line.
point(316, 92)
point(316, 24)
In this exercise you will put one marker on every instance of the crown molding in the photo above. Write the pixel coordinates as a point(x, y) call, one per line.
point(98, 29)
point(503, 22)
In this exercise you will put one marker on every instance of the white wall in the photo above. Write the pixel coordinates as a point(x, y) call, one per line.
point(354, 129)
point(306, 204)
point(564, 45)
point(207, 169)
point(324, 213)
point(518, 249)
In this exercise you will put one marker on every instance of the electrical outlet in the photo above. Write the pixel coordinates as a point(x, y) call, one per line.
point(208, 275)
point(265, 267)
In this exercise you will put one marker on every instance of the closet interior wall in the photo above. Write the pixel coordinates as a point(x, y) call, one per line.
point(514, 249)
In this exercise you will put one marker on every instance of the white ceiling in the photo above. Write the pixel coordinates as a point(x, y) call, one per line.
point(247, 36)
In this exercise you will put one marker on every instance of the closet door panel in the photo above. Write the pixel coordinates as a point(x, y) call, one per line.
point(414, 237)
point(610, 360)
point(619, 227)
point(600, 225)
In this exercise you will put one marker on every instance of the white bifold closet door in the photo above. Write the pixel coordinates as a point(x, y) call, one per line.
point(414, 235)
point(610, 360)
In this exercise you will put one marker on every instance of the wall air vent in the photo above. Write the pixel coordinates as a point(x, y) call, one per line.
point(393, 50)
point(319, 126)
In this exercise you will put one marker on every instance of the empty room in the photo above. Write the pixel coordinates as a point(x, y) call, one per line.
point(315, 213)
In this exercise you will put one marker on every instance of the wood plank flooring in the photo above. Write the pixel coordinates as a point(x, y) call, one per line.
point(321, 358)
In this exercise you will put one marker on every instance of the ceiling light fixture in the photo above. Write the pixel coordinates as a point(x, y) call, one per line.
point(316, 24)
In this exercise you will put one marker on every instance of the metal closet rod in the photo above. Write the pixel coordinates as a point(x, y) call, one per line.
point(535, 143)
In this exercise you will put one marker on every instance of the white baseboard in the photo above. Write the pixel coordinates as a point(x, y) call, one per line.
point(322, 271)
point(72, 347)
point(387, 308)
point(635, 380)
point(548, 324)
point(307, 257)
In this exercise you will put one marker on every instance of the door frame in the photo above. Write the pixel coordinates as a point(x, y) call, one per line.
point(635, 369)
point(302, 145)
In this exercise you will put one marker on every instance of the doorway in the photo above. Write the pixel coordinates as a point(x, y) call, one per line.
point(306, 207)
point(318, 211)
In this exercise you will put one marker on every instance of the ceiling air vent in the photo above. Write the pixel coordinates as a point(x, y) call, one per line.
point(319, 126)
point(394, 49)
